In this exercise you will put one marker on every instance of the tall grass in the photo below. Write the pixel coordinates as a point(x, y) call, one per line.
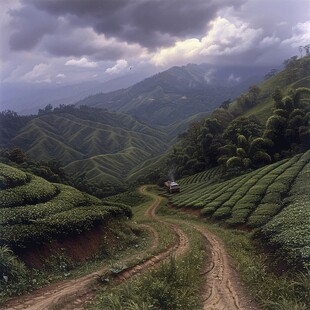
point(174, 285)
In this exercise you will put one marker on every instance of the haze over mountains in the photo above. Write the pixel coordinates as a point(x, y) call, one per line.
point(178, 93)
point(27, 98)
point(174, 86)
point(117, 137)
point(138, 123)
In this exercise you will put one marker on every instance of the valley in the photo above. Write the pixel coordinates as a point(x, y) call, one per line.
point(154, 155)
point(81, 228)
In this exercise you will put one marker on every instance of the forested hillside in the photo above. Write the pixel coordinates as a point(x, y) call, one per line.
point(239, 137)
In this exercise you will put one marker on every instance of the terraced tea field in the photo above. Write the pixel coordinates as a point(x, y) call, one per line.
point(211, 175)
point(34, 210)
point(274, 199)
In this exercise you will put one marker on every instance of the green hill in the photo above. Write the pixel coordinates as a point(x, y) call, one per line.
point(273, 199)
point(34, 211)
point(103, 145)
point(295, 75)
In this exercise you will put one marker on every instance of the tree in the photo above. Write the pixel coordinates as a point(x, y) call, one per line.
point(46, 110)
point(17, 156)
point(270, 74)
point(248, 127)
point(288, 124)
point(290, 62)
point(225, 104)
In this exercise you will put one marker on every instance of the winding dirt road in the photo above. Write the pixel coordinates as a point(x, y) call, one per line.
point(222, 289)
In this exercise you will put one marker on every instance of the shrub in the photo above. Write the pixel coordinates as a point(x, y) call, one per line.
point(221, 213)
point(10, 177)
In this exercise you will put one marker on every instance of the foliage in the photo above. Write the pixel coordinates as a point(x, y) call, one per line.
point(10, 177)
point(39, 211)
point(129, 198)
point(174, 285)
point(288, 231)
point(11, 269)
point(36, 190)
point(53, 170)
point(102, 146)
point(288, 127)
point(273, 198)
point(244, 143)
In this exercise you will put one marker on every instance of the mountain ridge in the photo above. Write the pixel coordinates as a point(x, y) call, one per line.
point(174, 94)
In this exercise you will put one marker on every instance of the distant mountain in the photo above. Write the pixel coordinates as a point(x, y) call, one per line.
point(27, 98)
point(178, 93)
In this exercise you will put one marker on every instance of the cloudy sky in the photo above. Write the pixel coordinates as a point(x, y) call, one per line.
point(61, 41)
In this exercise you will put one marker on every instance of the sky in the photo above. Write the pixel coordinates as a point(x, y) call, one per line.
point(70, 41)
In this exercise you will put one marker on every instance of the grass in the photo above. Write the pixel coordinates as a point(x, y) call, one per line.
point(174, 285)
point(131, 242)
point(273, 199)
point(130, 198)
point(271, 289)
point(282, 80)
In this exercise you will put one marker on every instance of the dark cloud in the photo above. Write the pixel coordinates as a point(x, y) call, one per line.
point(99, 8)
point(30, 25)
point(68, 46)
point(150, 23)
point(148, 33)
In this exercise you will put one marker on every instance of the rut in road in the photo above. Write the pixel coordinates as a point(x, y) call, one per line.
point(74, 293)
point(222, 289)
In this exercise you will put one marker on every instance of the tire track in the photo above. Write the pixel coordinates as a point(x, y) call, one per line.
point(223, 289)
point(73, 294)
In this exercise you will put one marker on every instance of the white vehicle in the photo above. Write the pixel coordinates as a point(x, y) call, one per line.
point(173, 187)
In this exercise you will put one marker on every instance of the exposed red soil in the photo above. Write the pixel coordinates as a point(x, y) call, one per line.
point(55, 293)
point(222, 290)
point(79, 248)
point(75, 293)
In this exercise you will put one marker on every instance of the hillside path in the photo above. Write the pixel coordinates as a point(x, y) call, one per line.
point(73, 294)
point(222, 288)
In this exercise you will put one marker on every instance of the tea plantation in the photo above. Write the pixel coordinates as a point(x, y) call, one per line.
point(274, 200)
point(34, 211)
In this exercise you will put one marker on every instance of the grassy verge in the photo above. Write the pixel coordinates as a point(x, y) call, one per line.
point(272, 291)
point(131, 242)
point(174, 285)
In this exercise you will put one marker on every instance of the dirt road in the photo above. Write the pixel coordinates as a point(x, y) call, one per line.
point(222, 289)
point(72, 294)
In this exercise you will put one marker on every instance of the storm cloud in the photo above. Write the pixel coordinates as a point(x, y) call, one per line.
point(150, 23)
point(154, 33)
